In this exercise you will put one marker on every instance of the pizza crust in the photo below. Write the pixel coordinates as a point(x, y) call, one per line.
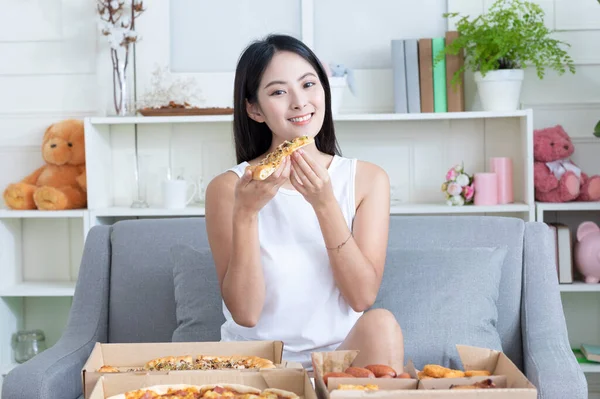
point(281, 393)
point(158, 389)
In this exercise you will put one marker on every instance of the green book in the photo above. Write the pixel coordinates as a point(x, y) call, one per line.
point(440, 101)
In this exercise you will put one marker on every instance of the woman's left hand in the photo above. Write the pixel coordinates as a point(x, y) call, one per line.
point(311, 179)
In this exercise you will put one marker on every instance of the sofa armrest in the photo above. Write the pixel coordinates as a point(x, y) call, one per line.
point(549, 361)
point(56, 372)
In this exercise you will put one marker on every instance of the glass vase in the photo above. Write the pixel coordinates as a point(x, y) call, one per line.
point(121, 91)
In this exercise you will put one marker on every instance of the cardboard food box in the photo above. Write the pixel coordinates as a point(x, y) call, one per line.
point(510, 382)
point(338, 361)
point(294, 380)
point(129, 357)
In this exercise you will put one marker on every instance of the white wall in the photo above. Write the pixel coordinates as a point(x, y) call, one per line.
point(47, 72)
point(54, 64)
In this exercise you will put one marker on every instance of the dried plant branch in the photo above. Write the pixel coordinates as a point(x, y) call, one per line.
point(117, 23)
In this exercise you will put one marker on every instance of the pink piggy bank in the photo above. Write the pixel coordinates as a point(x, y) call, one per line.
point(587, 251)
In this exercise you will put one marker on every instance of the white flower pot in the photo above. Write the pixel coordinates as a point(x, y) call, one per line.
point(338, 86)
point(500, 90)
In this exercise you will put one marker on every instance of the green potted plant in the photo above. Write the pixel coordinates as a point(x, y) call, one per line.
point(499, 45)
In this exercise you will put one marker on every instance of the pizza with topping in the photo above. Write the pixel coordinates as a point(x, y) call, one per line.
point(201, 362)
point(211, 391)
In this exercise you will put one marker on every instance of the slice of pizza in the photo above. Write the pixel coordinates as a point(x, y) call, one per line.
point(272, 160)
point(251, 362)
point(170, 363)
point(204, 362)
point(209, 362)
point(229, 391)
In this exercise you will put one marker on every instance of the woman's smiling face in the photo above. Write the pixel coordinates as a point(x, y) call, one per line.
point(291, 98)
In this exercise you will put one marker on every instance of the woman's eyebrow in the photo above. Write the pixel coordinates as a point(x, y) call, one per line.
point(281, 82)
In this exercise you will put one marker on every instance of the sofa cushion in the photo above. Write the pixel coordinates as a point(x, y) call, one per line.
point(458, 231)
point(441, 298)
point(197, 296)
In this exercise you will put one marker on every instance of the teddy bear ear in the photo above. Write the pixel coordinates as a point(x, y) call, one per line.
point(559, 129)
point(47, 132)
point(586, 228)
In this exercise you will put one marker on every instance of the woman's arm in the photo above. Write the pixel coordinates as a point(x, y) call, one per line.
point(232, 206)
point(235, 250)
point(357, 259)
point(358, 263)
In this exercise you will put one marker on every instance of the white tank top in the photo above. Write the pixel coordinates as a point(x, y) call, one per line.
point(303, 306)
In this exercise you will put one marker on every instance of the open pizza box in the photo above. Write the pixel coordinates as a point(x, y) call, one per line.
point(293, 380)
point(130, 358)
point(510, 382)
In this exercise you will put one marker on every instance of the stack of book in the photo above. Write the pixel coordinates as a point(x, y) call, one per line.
point(421, 86)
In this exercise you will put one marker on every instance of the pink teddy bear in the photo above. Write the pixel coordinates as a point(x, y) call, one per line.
point(556, 177)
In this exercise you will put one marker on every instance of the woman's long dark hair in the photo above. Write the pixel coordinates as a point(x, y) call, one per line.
point(252, 139)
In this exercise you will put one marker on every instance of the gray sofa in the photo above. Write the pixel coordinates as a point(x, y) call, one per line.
point(125, 293)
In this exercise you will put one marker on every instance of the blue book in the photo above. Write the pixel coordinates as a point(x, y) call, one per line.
point(591, 352)
point(399, 74)
point(413, 86)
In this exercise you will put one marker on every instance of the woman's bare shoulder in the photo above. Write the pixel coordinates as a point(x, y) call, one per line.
point(371, 179)
point(221, 184)
point(368, 173)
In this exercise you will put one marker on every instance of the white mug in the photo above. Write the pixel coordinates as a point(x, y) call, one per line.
point(175, 193)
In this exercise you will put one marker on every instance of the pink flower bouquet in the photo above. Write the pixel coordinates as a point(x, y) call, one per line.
point(458, 187)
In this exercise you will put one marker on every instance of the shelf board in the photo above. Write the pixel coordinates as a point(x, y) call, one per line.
point(39, 289)
point(590, 368)
point(443, 208)
point(428, 116)
point(568, 206)
point(368, 117)
point(434, 208)
point(33, 214)
point(149, 212)
point(579, 286)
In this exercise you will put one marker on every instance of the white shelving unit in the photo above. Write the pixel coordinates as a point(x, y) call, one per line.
point(39, 267)
point(580, 300)
point(416, 150)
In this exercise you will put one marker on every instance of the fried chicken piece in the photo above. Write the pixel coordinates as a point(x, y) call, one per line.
point(435, 370)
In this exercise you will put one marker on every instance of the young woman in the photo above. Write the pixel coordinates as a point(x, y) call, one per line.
point(300, 255)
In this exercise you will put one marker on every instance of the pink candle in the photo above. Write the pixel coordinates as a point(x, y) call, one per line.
point(503, 168)
point(486, 189)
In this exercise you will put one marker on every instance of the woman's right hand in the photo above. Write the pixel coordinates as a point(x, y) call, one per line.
point(252, 195)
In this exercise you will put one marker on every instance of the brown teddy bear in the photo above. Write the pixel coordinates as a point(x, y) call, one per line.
point(61, 182)
point(556, 178)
